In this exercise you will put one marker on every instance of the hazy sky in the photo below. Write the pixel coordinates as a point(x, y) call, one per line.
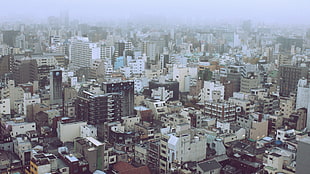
point(280, 11)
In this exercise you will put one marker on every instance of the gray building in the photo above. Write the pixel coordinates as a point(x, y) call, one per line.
point(303, 156)
point(56, 86)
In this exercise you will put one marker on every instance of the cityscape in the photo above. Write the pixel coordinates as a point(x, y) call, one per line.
point(155, 87)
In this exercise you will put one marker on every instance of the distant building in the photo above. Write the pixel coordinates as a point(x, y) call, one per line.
point(82, 52)
point(172, 86)
point(6, 63)
point(288, 78)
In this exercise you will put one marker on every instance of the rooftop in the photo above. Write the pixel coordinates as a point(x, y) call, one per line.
point(209, 165)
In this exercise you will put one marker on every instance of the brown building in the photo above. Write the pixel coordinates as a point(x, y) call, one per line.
point(5, 64)
point(33, 109)
point(297, 120)
point(25, 70)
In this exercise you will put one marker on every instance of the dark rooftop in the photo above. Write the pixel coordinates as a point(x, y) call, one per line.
point(209, 165)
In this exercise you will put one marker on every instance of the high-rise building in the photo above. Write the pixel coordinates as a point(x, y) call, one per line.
point(288, 78)
point(126, 90)
point(82, 52)
point(25, 70)
point(98, 108)
point(5, 64)
point(56, 87)
point(303, 156)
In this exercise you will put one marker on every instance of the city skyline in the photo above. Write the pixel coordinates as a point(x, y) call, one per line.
point(274, 12)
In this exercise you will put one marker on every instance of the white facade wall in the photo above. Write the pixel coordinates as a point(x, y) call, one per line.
point(183, 148)
point(22, 128)
point(29, 100)
point(88, 131)
point(46, 60)
point(5, 106)
point(66, 132)
point(206, 93)
point(129, 122)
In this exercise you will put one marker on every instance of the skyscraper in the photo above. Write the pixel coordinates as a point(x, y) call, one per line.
point(56, 87)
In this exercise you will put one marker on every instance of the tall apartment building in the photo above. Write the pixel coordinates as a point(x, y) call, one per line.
point(56, 87)
point(6, 64)
point(25, 70)
point(302, 97)
point(288, 78)
point(82, 52)
point(126, 91)
point(98, 108)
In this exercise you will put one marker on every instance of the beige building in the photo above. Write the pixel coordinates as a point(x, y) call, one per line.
point(67, 131)
point(259, 129)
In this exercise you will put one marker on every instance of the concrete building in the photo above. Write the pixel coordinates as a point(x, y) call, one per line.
point(211, 91)
point(22, 147)
point(159, 108)
point(126, 91)
point(287, 105)
point(288, 78)
point(221, 110)
point(56, 87)
point(18, 126)
point(302, 98)
point(46, 163)
point(172, 88)
point(82, 52)
point(25, 70)
point(240, 100)
point(5, 107)
point(303, 156)
point(98, 108)
point(88, 131)
point(5, 64)
point(95, 152)
point(68, 130)
point(186, 147)
point(248, 83)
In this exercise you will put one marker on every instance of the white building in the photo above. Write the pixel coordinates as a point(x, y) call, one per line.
point(182, 74)
point(302, 98)
point(82, 52)
point(22, 147)
point(211, 91)
point(5, 107)
point(88, 131)
point(186, 147)
point(29, 100)
point(161, 94)
point(67, 131)
point(46, 60)
point(129, 123)
point(18, 126)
